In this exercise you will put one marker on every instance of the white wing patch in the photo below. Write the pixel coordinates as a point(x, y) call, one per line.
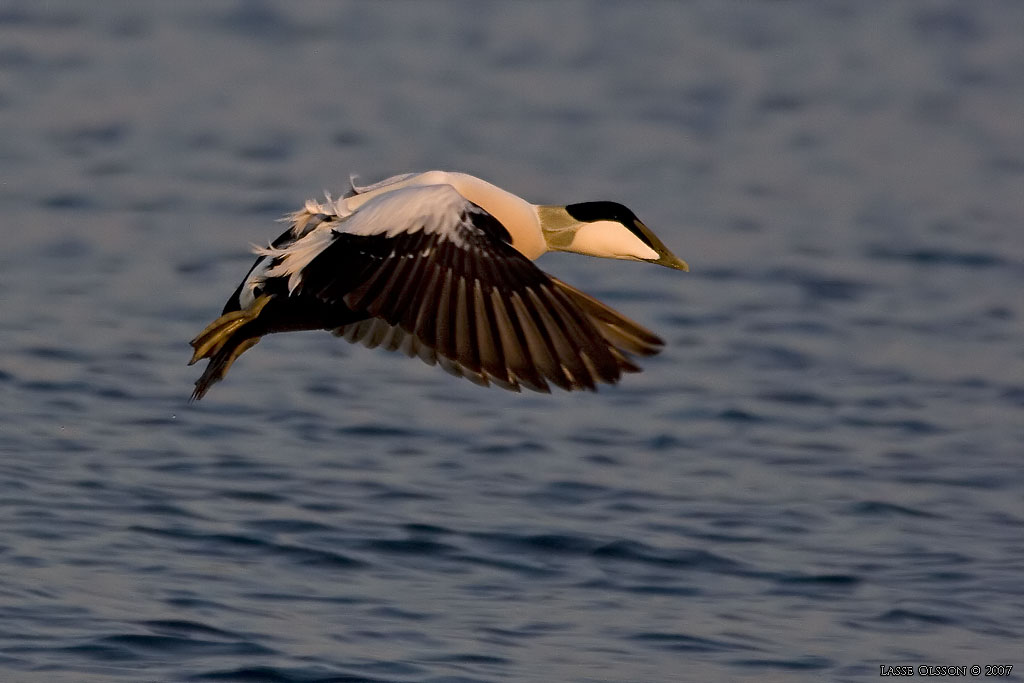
point(432, 208)
point(297, 255)
point(312, 208)
point(435, 209)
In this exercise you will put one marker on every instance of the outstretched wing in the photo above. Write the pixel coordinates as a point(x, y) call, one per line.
point(438, 279)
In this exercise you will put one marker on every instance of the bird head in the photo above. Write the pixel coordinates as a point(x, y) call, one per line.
point(604, 229)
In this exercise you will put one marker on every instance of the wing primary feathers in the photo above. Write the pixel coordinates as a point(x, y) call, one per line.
point(392, 340)
point(426, 315)
point(444, 339)
point(466, 349)
point(536, 345)
point(488, 340)
point(567, 353)
point(593, 352)
point(405, 309)
point(643, 337)
point(368, 291)
point(518, 362)
point(385, 297)
point(603, 362)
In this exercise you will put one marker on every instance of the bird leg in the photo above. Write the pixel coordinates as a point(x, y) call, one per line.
point(222, 344)
point(216, 335)
point(219, 365)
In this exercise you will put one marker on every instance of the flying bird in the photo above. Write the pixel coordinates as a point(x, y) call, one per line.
point(439, 266)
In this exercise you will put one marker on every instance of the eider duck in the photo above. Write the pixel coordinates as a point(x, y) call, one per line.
point(438, 265)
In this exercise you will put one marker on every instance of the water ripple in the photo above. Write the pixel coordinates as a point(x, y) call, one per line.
point(272, 674)
point(218, 542)
point(883, 509)
point(937, 257)
point(680, 642)
point(823, 460)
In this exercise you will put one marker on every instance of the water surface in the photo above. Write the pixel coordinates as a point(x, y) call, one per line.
point(820, 474)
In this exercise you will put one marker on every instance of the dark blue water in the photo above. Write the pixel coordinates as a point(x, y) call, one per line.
point(823, 472)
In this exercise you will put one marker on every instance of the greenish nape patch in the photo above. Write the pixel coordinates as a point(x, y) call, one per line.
point(558, 227)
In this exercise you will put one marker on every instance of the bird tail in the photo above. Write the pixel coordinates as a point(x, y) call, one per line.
point(223, 341)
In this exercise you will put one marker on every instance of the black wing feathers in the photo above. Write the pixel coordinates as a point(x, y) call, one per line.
point(473, 304)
